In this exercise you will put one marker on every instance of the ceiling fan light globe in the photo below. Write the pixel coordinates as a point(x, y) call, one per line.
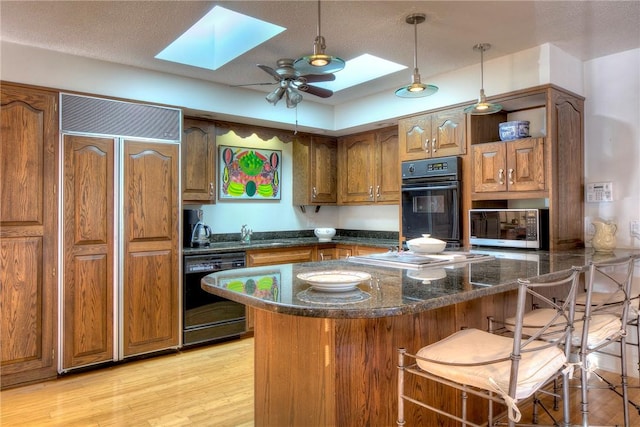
point(275, 96)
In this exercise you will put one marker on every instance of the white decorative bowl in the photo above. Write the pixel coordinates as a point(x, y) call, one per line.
point(426, 245)
point(324, 234)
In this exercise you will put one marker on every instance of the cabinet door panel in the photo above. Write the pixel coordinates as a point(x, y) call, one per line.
point(323, 170)
point(489, 164)
point(28, 234)
point(150, 191)
point(88, 250)
point(357, 157)
point(151, 280)
point(388, 183)
point(150, 302)
point(198, 160)
point(22, 309)
point(415, 137)
point(525, 163)
point(449, 136)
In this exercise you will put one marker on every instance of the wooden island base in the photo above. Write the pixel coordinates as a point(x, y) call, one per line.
point(313, 371)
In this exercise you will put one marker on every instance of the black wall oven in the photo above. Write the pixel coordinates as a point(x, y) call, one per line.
point(207, 317)
point(431, 199)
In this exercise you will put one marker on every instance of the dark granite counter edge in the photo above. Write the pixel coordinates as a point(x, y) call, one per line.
point(237, 246)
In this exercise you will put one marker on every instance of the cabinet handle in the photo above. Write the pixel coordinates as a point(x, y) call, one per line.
point(314, 193)
point(378, 191)
point(211, 189)
point(510, 176)
point(426, 145)
point(501, 176)
point(371, 192)
point(434, 145)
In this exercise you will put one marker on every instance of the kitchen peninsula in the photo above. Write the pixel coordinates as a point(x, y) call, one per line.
point(326, 359)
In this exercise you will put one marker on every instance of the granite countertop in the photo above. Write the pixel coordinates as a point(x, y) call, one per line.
point(393, 291)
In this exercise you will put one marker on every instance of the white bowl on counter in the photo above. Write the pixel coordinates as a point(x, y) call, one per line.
point(426, 245)
point(324, 234)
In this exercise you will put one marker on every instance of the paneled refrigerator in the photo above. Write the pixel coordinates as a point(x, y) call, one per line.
point(120, 205)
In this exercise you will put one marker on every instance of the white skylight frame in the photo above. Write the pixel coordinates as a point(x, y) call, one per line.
point(217, 38)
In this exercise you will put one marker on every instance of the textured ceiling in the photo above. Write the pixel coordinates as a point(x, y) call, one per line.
point(133, 32)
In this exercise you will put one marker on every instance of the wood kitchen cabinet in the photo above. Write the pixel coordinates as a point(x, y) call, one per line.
point(198, 162)
point(545, 170)
point(437, 134)
point(368, 168)
point(28, 234)
point(315, 171)
point(509, 166)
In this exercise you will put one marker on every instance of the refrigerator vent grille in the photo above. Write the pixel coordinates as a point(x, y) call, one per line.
point(117, 118)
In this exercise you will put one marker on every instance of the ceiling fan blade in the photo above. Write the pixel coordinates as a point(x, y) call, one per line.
point(270, 71)
point(315, 90)
point(315, 78)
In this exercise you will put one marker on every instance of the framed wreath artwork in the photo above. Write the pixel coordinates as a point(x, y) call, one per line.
point(249, 173)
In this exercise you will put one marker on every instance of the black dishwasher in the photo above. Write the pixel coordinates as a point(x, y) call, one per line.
point(207, 317)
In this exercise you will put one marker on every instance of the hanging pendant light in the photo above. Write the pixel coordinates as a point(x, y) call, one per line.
point(482, 106)
point(416, 89)
point(319, 62)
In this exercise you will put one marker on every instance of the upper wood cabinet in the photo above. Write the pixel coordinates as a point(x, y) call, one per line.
point(198, 162)
point(438, 134)
point(28, 234)
point(368, 168)
point(547, 168)
point(315, 171)
point(509, 166)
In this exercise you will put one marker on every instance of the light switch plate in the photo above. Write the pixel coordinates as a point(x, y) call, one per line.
point(600, 192)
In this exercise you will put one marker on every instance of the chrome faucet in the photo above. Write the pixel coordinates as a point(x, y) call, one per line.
point(245, 234)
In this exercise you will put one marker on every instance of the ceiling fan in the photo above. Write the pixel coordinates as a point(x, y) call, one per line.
point(291, 82)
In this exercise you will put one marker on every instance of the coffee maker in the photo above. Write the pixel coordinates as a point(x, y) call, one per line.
point(195, 233)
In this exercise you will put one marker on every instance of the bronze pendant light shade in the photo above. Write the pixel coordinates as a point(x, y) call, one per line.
point(482, 107)
point(319, 62)
point(416, 89)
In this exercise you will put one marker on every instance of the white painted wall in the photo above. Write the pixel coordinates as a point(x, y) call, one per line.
point(612, 139)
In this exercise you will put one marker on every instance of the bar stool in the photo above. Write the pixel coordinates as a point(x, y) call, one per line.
point(605, 322)
point(502, 369)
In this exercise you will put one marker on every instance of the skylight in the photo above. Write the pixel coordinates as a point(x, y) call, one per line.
point(359, 70)
point(217, 38)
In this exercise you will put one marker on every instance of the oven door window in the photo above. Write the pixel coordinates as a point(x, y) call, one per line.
point(431, 210)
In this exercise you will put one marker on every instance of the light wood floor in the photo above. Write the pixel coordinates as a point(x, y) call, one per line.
point(206, 386)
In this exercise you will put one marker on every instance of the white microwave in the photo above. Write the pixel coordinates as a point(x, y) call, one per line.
point(509, 228)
